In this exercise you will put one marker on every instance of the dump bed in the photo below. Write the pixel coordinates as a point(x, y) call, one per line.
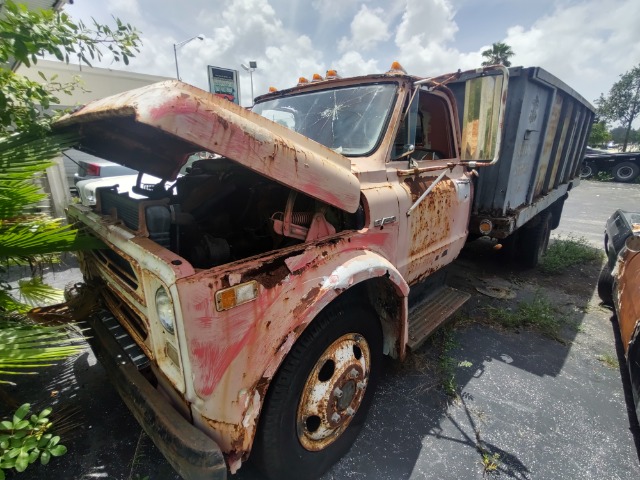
point(546, 128)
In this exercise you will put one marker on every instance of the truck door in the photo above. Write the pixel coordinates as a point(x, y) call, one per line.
point(433, 188)
point(430, 178)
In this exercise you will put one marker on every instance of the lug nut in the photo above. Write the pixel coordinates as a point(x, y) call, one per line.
point(335, 418)
point(353, 373)
point(350, 411)
point(337, 392)
point(361, 385)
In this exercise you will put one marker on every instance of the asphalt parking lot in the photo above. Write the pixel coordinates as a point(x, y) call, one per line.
point(533, 407)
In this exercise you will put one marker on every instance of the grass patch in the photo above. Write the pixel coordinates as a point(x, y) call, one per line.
point(447, 364)
point(609, 361)
point(490, 463)
point(566, 252)
point(603, 176)
point(538, 314)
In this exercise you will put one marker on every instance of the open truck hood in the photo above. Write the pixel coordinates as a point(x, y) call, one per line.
point(155, 129)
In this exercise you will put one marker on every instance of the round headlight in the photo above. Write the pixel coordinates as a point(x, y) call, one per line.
point(164, 309)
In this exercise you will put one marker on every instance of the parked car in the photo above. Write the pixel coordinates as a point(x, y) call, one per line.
point(86, 188)
point(619, 286)
point(122, 183)
point(83, 166)
point(625, 166)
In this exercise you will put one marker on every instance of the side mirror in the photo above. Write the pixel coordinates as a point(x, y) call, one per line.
point(481, 96)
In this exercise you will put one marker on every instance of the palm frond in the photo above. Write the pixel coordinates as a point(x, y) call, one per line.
point(16, 196)
point(9, 305)
point(25, 347)
point(35, 292)
point(41, 236)
point(30, 152)
point(24, 157)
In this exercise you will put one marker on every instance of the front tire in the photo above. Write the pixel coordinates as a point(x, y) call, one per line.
point(625, 172)
point(318, 401)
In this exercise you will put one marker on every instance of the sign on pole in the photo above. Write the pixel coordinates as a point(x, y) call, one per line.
point(223, 82)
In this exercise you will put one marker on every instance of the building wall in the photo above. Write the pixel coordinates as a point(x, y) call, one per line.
point(98, 82)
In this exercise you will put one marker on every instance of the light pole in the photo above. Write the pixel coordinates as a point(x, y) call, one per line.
point(252, 66)
point(180, 44)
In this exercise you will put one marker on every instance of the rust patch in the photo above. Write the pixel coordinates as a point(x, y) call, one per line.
point(305, 302)
point(417, 185)
point(272, 278)
point(269, 274)
point(262, 385)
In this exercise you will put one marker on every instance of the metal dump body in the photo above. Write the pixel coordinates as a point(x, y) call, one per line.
point(546, 128)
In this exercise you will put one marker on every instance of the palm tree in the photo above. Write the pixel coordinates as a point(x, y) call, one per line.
point(26, 236)
point(498, 54)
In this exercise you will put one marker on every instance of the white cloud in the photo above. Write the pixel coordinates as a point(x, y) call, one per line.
point(367, 30)
point(587, 44)
point(423, 38)
point(126, 8)
point(352, 64)
point(426, 22)
point(335, 8)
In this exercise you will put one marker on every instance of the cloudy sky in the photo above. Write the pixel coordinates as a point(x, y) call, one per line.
point(587, 43)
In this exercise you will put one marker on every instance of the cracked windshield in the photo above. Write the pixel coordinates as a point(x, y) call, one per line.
point(347, 120)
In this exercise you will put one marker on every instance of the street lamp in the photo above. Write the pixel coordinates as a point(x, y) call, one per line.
point(252, 66)
point(180, 44)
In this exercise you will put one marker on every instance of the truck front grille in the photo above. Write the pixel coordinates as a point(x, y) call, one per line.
point(127, 316)
point(117, 264)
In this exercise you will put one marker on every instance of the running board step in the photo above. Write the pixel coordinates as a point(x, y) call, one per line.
point(425, 317)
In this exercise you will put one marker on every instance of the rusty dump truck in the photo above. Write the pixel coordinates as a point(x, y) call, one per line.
point(247, 304)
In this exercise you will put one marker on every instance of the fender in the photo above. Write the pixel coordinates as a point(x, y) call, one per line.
point(340, 273)
point(313, 278)
point(332, 276)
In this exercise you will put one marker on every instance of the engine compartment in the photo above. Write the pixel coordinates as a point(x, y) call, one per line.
point(221, 211)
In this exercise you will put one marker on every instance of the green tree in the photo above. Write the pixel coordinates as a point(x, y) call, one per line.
point(622, 104)
point(26, 35)
point(498, 54)
point(599, 134)
point(26, 235)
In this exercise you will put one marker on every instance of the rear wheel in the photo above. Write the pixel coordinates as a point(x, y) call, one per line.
point(535, 240)
point(318, 401)
point(625, 172)
point(588, 170)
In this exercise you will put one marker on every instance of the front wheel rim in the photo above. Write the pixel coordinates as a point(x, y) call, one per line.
point(333, 392)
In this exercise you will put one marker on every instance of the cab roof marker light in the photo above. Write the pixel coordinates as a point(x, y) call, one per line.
point(302, 81)
point(396, 69)
point(332, 75)
point(316, 78)
point(272, 89)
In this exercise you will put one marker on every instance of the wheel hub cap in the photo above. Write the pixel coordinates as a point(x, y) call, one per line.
point(333, 392)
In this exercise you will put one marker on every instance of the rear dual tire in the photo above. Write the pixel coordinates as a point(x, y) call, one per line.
point(535, 240)
point(625, 172)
